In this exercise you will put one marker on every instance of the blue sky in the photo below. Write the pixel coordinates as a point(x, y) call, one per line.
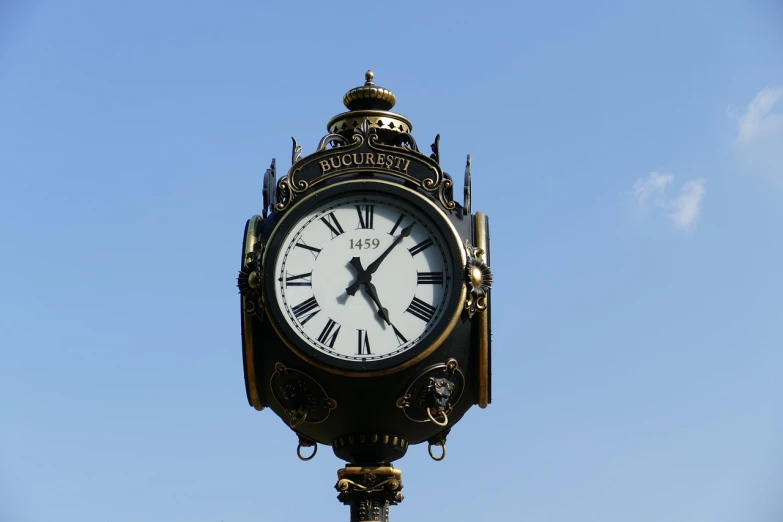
point(629, 155)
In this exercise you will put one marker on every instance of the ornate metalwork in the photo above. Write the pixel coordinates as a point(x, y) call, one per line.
point(370, 491)
point(435, 146)
point(250, 280)
point(302, 398)
point(433, 394)
point(269, 192)
point(478, 279)
point(466, 201)
point(363, 154)
point(331, 141)
point(296, 151)
point(369, 95)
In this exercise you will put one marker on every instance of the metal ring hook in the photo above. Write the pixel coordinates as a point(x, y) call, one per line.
point(445, 418)
point(442, 456)
point(299, 452)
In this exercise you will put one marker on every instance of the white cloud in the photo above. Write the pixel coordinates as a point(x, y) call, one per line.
point(758, 145)
point(757, 119)
point(683, 210)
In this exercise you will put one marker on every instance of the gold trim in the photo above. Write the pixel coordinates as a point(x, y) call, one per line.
point(482, 322)
point(438, 341)
point(385, 120)
point(247, 321)
point(379, 471)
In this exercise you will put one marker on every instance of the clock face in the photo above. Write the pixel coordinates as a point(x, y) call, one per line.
point(363, 279)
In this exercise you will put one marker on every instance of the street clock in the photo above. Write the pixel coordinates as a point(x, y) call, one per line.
point(365, 298)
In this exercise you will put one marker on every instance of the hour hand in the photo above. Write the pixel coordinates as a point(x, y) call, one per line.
point(383, 313)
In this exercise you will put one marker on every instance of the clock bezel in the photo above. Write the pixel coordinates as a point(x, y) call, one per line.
point(430, 342)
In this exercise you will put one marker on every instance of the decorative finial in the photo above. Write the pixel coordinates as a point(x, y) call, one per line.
point(369, 103)
point(369, 96)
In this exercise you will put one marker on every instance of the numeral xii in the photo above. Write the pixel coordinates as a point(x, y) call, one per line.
point(366, 215)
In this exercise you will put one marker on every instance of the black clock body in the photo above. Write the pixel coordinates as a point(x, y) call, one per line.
point(368, 411)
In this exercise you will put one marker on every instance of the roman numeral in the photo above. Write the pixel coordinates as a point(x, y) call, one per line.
point(334, 225)
point(429, 278)
point(366, 214)
point(421, 246)
point(313, 250)
point(396, 224)
point(329, 333)
point(400, 338)
point(420, 309)
point(305, 310)
point(364, 343)
point(299, 280)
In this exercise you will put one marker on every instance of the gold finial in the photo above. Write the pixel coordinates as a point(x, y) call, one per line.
point(369, 96)
point(371, 103)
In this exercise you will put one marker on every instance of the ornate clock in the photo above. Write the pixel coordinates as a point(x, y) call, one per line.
point(365, 294)
point(364, 277)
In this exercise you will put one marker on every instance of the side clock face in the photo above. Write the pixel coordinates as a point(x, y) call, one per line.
point(364, 280)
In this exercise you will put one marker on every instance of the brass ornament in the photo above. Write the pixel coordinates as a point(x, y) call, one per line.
point(478, 279)
point(302, 398)
point(370, 491)
point(369, 95)
point(432, 395)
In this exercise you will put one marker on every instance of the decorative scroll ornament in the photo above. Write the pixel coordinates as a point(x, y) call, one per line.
point(370, 491)
point(478, 279)
point(302, 398)
point(432, 395)
point(250, 282)
point(364, 154)
point(296, 151)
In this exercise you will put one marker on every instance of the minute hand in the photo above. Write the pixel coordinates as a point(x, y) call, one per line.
point(405, 232)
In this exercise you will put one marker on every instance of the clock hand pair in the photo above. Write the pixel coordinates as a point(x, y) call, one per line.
point(365, 276)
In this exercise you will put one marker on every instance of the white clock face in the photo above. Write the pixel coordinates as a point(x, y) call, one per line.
point(363, 278)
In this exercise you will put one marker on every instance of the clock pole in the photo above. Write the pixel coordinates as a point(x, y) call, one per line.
point(365, 299)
